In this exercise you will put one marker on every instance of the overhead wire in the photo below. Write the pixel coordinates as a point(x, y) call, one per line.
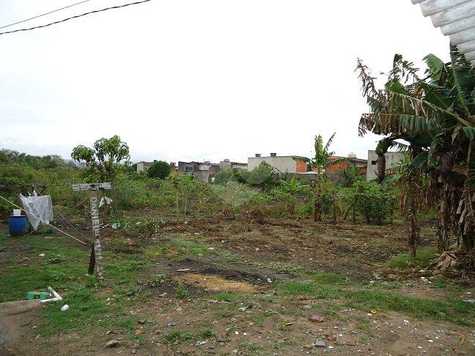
point(44, 14)
point(75, 17)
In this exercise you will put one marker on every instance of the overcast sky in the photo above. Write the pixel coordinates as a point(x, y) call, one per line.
point(200, 79)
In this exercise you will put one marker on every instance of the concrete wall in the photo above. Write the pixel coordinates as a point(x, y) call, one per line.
point(140, 167)
point(226, 164)
point(392, 160)
point(282, 164)
point(143, 166)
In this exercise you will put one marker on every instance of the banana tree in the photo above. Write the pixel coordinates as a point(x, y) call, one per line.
point(319, 162)
point(434, 113)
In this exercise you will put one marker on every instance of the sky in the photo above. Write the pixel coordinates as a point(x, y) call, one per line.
point(200, 79)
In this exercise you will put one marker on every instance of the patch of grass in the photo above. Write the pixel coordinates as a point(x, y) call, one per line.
point(156, 251)
point(424, 257)
point(225, 311)
point(227, 297)
point(85, 309)
point(310, 288)
point(450, 309)
point(64, 268)
point(206, 334)
point(364, 325)
point(177, 337)
point(259, 319)
point(329, 278)
point(285, 267)
point(251, 347)
point(455, 311)
point(182, 292)
point(189, 247)
point(329, 309)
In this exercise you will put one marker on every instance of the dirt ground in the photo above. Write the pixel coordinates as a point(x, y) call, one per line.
point(226, 287)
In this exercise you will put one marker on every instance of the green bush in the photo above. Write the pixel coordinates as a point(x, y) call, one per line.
point(159, 169)
point(21, 178)
point(375, 202)
point(263, 177)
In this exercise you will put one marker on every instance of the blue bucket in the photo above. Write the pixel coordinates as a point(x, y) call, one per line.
point(17, 225)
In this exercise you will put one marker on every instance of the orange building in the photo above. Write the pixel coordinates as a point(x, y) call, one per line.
point(339, 164)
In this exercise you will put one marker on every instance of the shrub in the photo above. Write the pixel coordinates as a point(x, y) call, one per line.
point(263, 177)
point(373, 201)
point(159, 169)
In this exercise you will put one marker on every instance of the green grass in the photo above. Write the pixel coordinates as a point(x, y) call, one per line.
point(206, 333)
point(182, 292)
point(451, 310)
point(180, 336)
point(310, 288)
point(227, 297)
point(424, 257)
point(251, 348)
point(329, 278)
point(177, 337)
point(85, 309)
point(64, 267)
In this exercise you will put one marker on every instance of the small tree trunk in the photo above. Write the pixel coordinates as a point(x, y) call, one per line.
point(381, 167)
point(413, 236)
point(413, 229)
point(334, 208)
point(317, 211)
point(443, 225)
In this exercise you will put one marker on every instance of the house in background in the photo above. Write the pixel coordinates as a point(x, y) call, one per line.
point(338, 164)
point(392, 161)
point(204, 171)
point(227, 164)
point(283, 164)
point(143, 166)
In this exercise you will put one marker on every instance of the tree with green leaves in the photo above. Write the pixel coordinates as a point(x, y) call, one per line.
point(320, 162)
point(159, 169)
point(434, 113)
point(103, 159)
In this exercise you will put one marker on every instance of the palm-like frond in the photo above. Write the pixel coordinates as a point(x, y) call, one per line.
point(329, 143)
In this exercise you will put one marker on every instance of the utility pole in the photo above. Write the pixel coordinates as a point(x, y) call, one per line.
point(95, 260)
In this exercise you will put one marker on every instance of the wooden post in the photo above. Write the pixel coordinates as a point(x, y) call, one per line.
point(95, 260)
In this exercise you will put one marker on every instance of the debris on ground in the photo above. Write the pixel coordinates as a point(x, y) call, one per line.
point(112, 343)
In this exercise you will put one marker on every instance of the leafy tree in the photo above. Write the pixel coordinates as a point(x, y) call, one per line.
point(226, 175)
point(319, 162)
point(434, 114)
point(350, 176)
point(264, 176)
point(159, 169)
point(103, 159)
point(37, 162)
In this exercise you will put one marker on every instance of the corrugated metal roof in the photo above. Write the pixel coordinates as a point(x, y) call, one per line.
point(455, 18)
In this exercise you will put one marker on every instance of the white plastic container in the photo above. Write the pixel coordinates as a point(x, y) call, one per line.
point(16, 212)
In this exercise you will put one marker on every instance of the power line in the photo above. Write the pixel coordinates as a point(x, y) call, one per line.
point(75, 17)
point(44, 14)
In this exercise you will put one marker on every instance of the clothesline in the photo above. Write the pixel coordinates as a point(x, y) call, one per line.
point(50, 225)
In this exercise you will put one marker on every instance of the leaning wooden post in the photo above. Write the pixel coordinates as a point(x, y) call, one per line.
point(95, 260)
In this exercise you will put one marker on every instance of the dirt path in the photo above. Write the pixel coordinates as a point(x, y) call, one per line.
point(15, 317)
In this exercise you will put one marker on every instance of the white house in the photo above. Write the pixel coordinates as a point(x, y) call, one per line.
point(392, 161)
point(283, 164)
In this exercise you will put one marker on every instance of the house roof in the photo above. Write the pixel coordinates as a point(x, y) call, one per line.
point(349, 159)
point(294, 157)
point(455, 18)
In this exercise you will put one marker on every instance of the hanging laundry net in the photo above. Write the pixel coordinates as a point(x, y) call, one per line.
point(39, 209)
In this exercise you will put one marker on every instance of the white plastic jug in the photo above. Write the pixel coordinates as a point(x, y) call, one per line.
point(16, 212)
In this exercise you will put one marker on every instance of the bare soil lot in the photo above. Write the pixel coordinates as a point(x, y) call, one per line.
point(224, 287)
